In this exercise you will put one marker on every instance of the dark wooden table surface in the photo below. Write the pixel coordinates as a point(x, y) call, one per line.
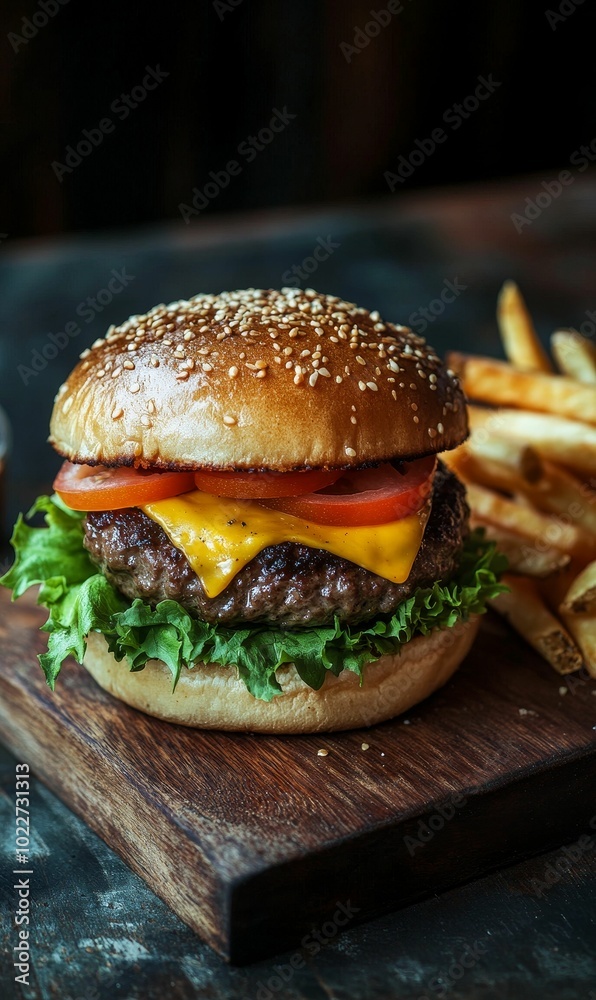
point(529, 931)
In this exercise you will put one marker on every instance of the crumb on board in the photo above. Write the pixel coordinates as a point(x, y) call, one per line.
point(526, 711)
point(563, 690)
point(365, 746)
point(322, 753)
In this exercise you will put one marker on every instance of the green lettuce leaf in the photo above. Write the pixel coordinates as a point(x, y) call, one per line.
point(80, 600)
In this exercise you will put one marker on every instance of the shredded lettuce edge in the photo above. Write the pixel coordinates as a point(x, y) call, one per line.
point(81, 600)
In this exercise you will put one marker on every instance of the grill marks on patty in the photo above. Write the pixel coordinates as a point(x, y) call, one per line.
point(289, 585)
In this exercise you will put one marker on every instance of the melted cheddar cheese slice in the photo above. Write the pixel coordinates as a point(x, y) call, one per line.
point(220, 536)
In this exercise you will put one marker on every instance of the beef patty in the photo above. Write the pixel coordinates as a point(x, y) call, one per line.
point(289, 584)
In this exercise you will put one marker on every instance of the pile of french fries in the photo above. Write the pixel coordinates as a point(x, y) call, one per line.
point(530, 471)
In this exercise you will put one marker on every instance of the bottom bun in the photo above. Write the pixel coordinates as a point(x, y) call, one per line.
point(213, 697)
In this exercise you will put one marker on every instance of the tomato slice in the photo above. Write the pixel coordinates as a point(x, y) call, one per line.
point(259, 485)
point(88, 487)
point(368, 496)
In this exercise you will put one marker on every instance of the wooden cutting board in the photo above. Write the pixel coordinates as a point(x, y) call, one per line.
point(255, 840)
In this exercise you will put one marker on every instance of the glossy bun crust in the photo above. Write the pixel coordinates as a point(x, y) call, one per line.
point(257, 380)
point(213, 697)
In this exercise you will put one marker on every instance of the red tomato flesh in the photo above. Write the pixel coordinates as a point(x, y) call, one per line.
point(367, 496)
point(259, 485)
point(88, 487)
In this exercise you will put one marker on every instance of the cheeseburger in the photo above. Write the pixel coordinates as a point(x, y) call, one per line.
point(251, 529)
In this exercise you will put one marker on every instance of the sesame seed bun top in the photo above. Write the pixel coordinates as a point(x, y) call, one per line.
point(257, 379)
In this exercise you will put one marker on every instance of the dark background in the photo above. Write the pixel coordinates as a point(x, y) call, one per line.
point(229, 68)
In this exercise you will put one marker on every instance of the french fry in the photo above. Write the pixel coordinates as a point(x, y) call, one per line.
point(583, 631)
point(526, 611)
point(566, 442)
point(581, 597)
point(542, 530)
point(519, 337)
point(487, 380)
point(557, 491)
point(575, 355)
point(496, 462)
point(524, 559)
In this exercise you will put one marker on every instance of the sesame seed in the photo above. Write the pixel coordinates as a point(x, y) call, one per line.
point(182, 376)
point(360, 360)
point(134, 387)
point(298, 378)
point(362, 386)
point(353, 419)
point(131, 347)
point(154, 362)
point(432, 432)
point(262, 371)
point(85, 365)
point(338, 379)
point(262, 364)
point(313, 378)
point(129, 365)
point(233, 371)
point(350, 452)
point(207, 367)
point(229, 419)
point(394, 394)
point(189, 335)
point(324, 372)
point(373, 386)
point(100, 373)
point(138, 449)
point(151, 406)
point(116, 372)
point(416, 420)
point(440, 428)
point(316, 363)
point(97, 343)
point(117, 412)
point(85, 353)
point(288, 350)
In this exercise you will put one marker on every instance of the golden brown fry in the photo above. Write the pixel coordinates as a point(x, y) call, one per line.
point(575, 355)
point(525, 609)
point(497, 462)
point(583, 630)
point(524, 558)
point(567, 442)
point(490, 381)
point(557, 491)
point(519, 337)
point(580, 599)
point(543, 531)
